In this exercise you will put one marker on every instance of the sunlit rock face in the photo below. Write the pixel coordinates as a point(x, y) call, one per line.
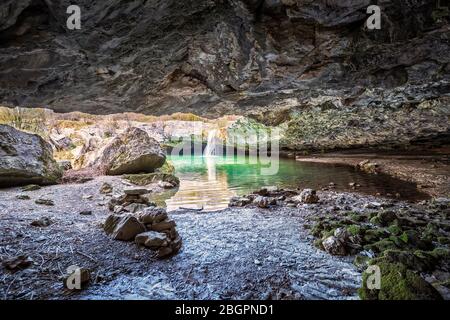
point(25, 158)
point(269, 59)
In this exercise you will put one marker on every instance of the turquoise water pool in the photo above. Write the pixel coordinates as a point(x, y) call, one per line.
point(210, 182)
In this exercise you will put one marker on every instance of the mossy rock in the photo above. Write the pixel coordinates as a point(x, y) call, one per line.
point(357, 217)
point(376, 221)
point(441, 253)
point(355, 230)
point(413, 240)
point(399, 241)
point(443, 240)
point(398, 283)
point(149, 178)
point(374, 235)
point(317, 229)
point(395, 230)
point(431, 232)
point(382, 245)
point(318, 244)
point(445, 283)
point(344, 222)
point(420, 262)
point(167, 168)
point(372, 214)
point(322, 228)
point(361, 262)
point(386, 217)
point(327, 233)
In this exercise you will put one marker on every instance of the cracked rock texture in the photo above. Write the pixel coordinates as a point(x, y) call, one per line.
point(291, 62)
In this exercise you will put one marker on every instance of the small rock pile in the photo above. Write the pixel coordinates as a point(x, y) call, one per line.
point(161, 234)
point(133, 201)
point(136, 218)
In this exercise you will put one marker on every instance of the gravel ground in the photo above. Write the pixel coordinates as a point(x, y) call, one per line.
point(240, 253)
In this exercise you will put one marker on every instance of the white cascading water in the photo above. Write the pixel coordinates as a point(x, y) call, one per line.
point(210, 150)
point(209, 154)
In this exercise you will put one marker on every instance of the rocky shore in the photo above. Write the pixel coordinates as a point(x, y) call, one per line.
point(264, 250)
point(430, 171)
point(409, 243)
point(85, 180)
point(276, 244)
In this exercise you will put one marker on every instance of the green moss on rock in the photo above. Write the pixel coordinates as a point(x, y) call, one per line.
point(431, 232)
point(441, 253)
point(385, 218)
point(382, 245)
point(361, 262)
point(422, 262)
point(374, 235)
point(357, 217)
point(149, 178)
point(443, 240)
point(398, 283)
point(318, 244)
point(355, 230)
point(413, 240)
point(317, 229)
point(376, 221)
point(395, 229)
point(167, 168)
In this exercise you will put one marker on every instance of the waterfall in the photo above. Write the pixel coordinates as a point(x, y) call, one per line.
point(210, 149)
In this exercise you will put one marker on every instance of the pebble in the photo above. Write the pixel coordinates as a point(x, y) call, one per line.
point(31, 187)
point(45, 202)
point(42, 222)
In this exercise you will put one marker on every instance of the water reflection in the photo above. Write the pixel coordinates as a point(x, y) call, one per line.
point(201, 185)
point(210, 182)
point(211, 167)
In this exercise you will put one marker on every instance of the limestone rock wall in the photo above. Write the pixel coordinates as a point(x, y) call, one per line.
point(272, 60)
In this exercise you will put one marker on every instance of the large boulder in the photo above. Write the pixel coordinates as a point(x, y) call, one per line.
point(131, 152)
point(26, 158)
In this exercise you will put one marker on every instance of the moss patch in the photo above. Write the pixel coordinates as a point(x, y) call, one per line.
point(167, 168)
point(398, 283)
point(354, 230)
